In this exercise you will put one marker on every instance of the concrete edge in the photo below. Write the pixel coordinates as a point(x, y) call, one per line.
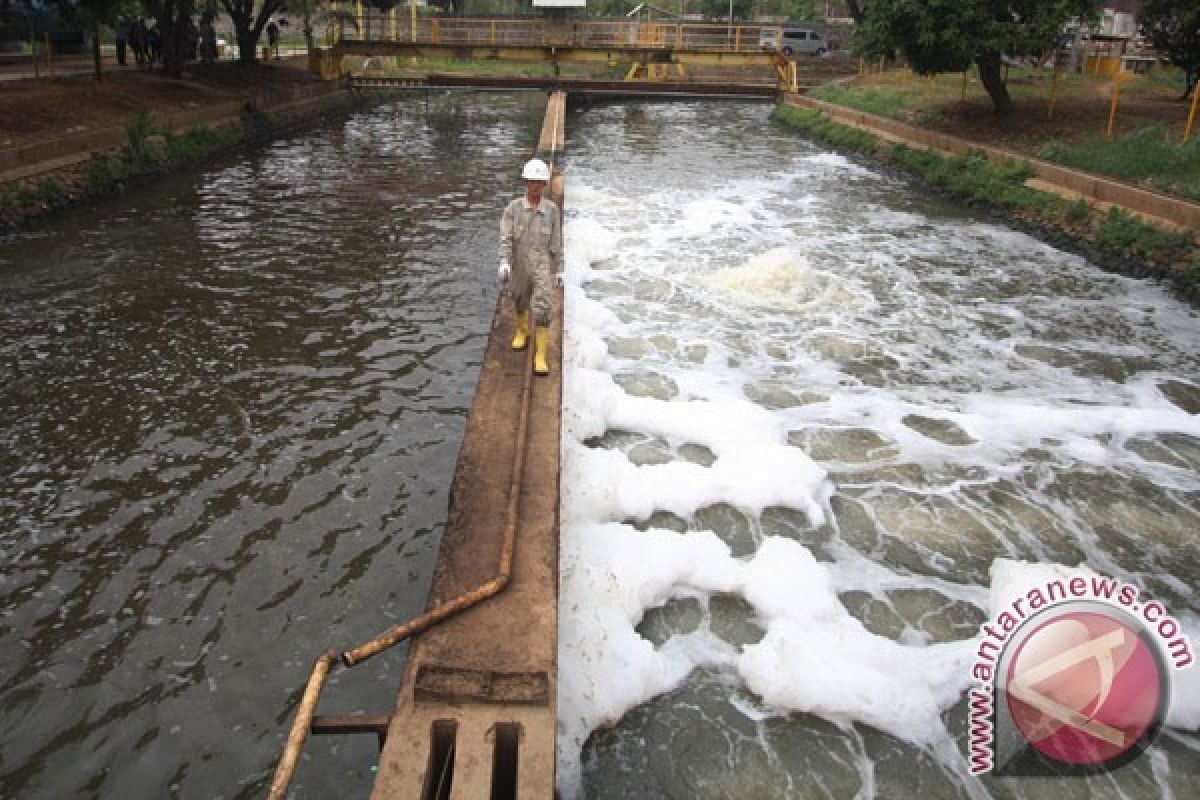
point(50, 155)
point(1158, 209)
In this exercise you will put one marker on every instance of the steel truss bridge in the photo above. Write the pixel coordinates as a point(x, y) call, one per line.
point(651, 50)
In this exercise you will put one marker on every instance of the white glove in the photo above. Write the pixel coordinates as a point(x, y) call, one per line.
point(558, 280)
point(504, 270)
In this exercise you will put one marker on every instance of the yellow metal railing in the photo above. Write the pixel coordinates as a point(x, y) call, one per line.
point(398, 26)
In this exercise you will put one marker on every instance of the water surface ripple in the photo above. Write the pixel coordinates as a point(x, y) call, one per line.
point(229, 411)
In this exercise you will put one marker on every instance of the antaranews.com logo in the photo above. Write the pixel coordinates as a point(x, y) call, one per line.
point(1072, 679)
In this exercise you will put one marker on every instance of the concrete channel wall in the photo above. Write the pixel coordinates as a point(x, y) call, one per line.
point(476, 712)
point(282, 106)
point(1167, 212)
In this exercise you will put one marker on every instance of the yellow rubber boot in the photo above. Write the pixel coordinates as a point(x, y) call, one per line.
point(541, 337)
point(522, 338)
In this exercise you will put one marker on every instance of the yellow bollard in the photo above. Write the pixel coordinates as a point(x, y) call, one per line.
point(1053, 94)
point(1187, 130)
point(1112, 111)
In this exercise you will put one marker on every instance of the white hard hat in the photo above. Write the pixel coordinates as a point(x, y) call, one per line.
point(536, 170)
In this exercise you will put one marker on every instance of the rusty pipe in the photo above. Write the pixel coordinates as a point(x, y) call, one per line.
point(443, 611)
point(300, 727)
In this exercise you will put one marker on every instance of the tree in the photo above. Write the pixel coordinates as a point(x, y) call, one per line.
point(248, 26)
point(1174, 28)
point(91, 14)
point(948, 35)
point(719, 9)
point(789, 9)
point(313, 12)
point(172, 18)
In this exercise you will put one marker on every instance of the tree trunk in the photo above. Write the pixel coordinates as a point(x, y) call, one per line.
point(992, 78)
point(172, 46)
point(247, 42)
point(241, 14)
point(96, 50)
point(308, 35)
point(855, 11)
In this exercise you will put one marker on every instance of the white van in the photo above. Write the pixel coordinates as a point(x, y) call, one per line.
point(793, 41)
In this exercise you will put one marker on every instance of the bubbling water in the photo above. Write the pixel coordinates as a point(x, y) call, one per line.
point(816, 430)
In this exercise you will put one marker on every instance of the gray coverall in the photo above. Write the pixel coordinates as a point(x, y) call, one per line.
point(531, 241)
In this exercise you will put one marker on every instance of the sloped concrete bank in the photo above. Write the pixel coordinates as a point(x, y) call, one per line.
point(1120, 228)
point(65, 171)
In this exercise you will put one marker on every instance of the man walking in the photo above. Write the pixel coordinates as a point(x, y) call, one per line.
point(530, 250)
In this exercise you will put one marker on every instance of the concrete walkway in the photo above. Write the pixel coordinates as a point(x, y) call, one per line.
point(476, 713)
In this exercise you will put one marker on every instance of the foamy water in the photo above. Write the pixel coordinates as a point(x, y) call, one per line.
point(817, 428)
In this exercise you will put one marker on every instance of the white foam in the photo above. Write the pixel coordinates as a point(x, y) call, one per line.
point(778, 294)
point(817, 658)
point(783, 277)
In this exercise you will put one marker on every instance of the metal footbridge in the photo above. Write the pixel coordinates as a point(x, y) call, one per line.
point(645, 51)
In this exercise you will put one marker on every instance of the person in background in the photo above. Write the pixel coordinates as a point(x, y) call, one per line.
point(530, 251)
point(153, 45)
point(138, 41)
point(208, 38)
point(122, 41)
point(273, 39)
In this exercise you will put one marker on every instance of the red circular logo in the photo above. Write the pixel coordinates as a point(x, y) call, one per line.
point(1084, 687)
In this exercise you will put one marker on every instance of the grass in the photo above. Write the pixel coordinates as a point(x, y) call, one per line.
point(1121, 231)
point(140, 155)
point(1002, 184)
point(138, 148)
point(1149, 157)
point(1147, 150)
point(102, 173)
point(194, 144)
point(46, 193)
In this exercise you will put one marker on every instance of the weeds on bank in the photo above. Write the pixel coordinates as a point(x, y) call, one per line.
point(46, 193)
point(1120, 230)
point(194, 144)
point(142, 153)
point(102, 173)
point(139, 144)
point(1002, 184)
